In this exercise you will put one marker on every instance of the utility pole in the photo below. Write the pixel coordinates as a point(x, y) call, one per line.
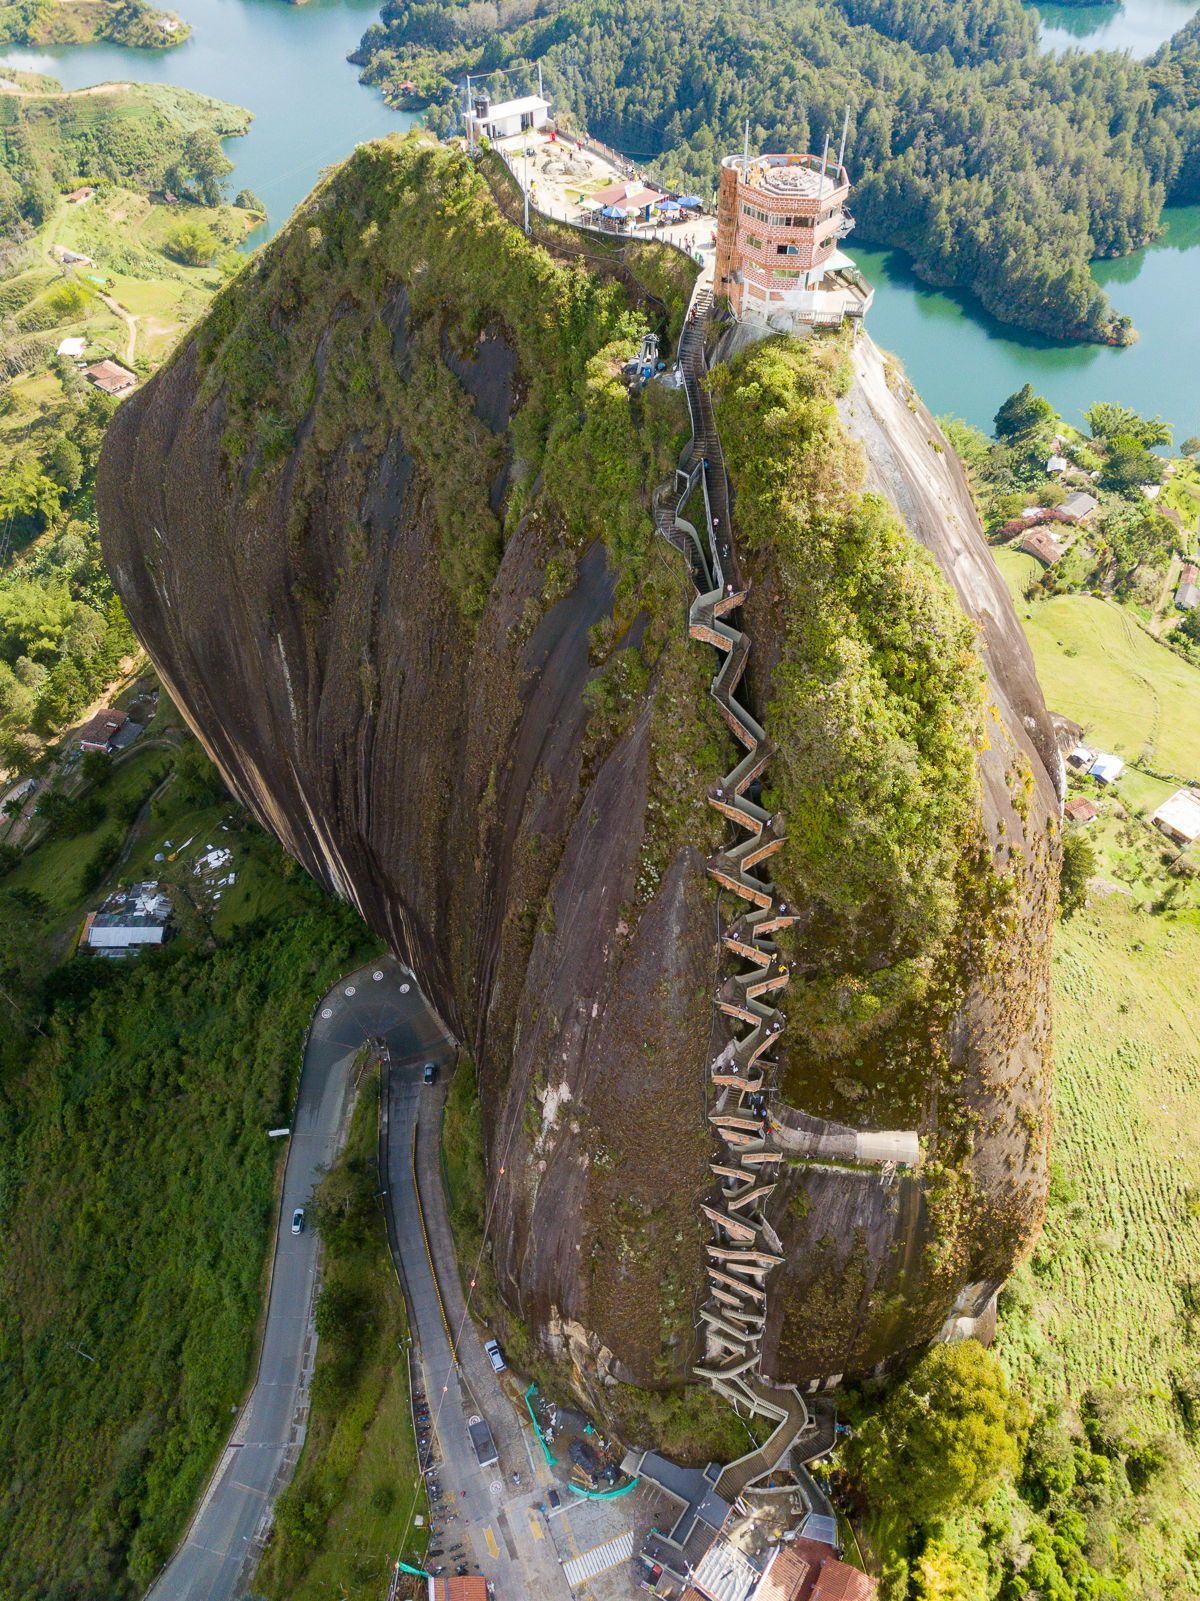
point(467, 116)
point(541, 96)
point(525, 186)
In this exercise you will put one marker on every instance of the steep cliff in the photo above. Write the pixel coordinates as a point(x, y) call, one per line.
point(383, 525)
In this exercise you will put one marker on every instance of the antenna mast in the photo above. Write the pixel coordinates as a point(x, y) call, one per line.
point(746, 156)
point(845, 131)
point(824, 167)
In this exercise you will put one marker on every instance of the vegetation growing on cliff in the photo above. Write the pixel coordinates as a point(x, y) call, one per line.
point(414, 227)
point(876, 699)
point(999, 169)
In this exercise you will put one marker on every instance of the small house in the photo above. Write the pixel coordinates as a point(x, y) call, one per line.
point(100, 732)
point(1082, 757)
point(507, 117)
point(71, 258)
point(1040, 542)
point(73, 346)
point(1179, 816)
point(1057, 464)
point(1187, 596)
point(129, 918)
point(78, 196)
point(1077, 508)
point(110, 376)
point(1107, 767)
point(469, 1587)
point(1081, 810)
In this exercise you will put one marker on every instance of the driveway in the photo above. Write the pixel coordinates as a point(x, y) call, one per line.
point(215, 1561)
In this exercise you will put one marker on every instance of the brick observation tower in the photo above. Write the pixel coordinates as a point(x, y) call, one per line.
point(779, 220)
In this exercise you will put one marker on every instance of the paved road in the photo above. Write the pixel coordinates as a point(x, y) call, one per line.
point(495, 1521)
point(215, 1560)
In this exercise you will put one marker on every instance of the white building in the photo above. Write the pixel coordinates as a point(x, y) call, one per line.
point(128, 918)
point(1179, 816)
point(504, 118)
point(1106, 767)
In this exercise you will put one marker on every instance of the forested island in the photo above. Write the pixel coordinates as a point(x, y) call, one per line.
point(1000, 170)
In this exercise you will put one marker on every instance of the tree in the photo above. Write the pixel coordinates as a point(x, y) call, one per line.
point(204, 165)
point(1129, 464)
point(29, 497)
point(1106, 420)
point(65, 465)
point(1021, 413)
point(1190, 446)
point(1078, 865)
point(944, 1437)
point(66, 816)
point(247, 200)
point(192, 243)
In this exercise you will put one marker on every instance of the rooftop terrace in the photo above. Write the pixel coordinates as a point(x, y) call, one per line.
point(791, 176)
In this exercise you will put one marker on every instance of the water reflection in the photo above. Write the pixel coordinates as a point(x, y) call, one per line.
point(1138, 26)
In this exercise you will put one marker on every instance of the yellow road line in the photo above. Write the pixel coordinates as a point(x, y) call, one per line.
point(535, 1525)
point(491, 1542)
point(437, 1289)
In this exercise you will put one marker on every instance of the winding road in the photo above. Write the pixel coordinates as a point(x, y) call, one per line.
point(225, 1537)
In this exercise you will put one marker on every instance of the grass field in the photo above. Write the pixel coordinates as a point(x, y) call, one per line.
point(1110, 1292)
point(1129, 693)
point(1110, 1298)
point(1181, 493)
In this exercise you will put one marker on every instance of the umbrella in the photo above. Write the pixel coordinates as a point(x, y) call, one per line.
point(613, 211)
point(669, 208)
point(692, 202)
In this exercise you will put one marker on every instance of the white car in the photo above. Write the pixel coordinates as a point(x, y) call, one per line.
point(298, 1220)
point(495, 1355)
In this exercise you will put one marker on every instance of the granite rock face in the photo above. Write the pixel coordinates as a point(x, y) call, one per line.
point(454, 780)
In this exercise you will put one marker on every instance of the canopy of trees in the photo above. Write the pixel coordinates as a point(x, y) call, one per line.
point(998, 169)
point(62, 630)
point(944, 1437)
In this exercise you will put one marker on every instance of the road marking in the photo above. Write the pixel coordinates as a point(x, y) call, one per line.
point(599, 1559)
point(535, 1525)
point(490, 1539)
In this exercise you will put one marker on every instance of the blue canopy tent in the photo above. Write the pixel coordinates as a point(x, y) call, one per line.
point(692, 202)
point(614, 211)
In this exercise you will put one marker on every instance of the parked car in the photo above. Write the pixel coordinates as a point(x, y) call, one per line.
point(298, 1220)
point(430, 1072)
point(495, 1355)
point(554, 1499)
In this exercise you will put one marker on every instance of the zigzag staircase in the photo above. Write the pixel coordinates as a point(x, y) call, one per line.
point(744, 1247)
